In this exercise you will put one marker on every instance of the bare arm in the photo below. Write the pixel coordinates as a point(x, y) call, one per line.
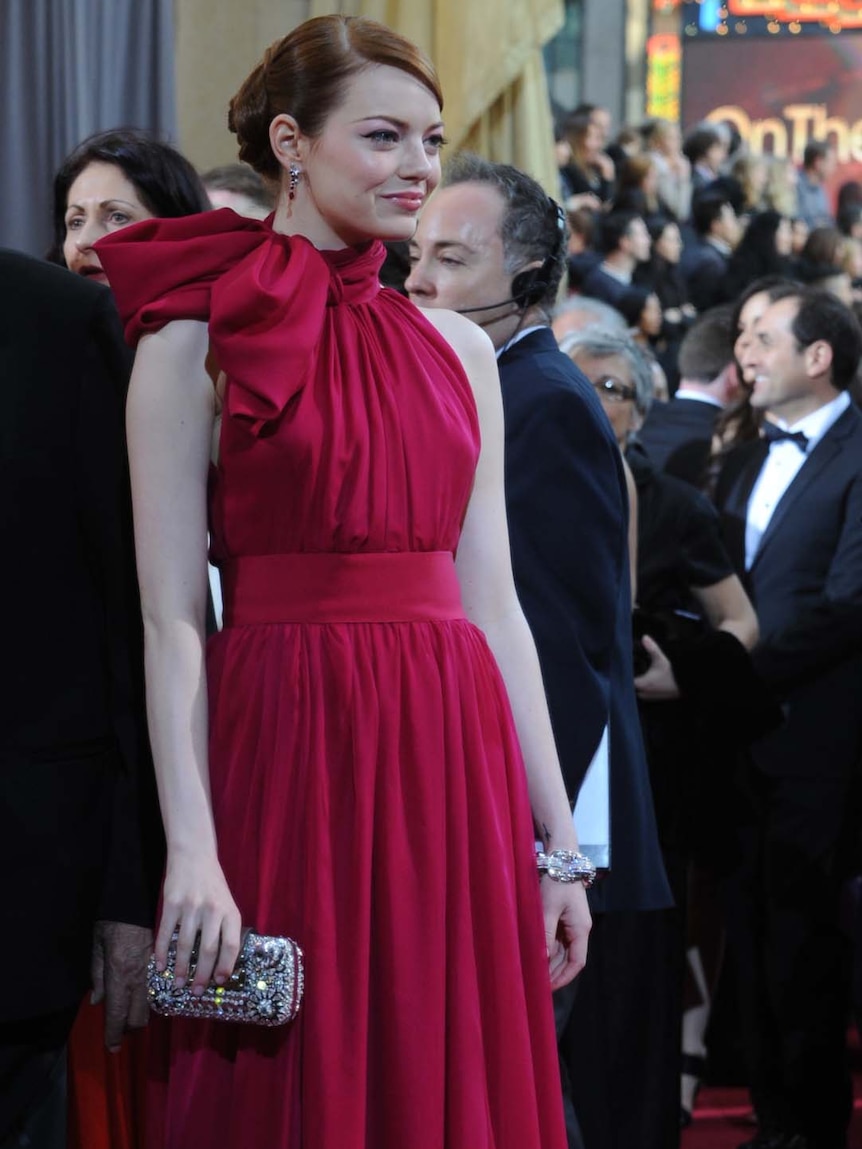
point(170, 417)
point(488, 591)
point(728, 607)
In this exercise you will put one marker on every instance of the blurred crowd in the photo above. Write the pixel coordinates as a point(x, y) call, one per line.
point(664, 227)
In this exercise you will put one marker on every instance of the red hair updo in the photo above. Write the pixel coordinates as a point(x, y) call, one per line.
point(305, 75)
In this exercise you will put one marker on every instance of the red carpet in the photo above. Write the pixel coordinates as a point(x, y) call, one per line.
point(722, 1117)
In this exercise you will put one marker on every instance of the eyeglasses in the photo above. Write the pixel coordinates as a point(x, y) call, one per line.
point(613, 390)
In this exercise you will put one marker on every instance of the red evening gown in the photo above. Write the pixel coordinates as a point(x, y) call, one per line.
point(369, 793)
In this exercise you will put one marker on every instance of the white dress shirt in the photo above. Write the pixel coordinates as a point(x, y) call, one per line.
point(518, 336)
point(783, 464)
point(698, 396)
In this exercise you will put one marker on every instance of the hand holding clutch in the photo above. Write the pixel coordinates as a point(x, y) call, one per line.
point(265, 987)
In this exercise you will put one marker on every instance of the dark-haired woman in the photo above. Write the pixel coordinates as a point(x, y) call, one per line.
point(343, 766)
point(113, 179)
point(663, 276)
point(694, 623)
point(764, 250)
point(590, 171)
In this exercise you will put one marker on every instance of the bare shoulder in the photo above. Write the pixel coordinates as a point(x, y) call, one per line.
point(467, 340)
point(180, 336)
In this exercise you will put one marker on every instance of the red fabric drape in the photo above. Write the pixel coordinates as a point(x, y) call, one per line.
point(106, 1090)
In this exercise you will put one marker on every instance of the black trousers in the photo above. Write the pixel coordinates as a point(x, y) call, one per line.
point(792, 959)
point(621, 1045)
point(564, 1003)
point(33, 1081)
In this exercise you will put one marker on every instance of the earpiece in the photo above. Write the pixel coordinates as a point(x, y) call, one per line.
point(531, 287)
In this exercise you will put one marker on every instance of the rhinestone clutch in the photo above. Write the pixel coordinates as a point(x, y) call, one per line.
point(265, 987)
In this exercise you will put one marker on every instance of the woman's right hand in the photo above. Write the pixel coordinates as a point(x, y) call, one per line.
point(196, 899)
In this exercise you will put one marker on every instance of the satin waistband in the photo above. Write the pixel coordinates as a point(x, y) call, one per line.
point(405, 586)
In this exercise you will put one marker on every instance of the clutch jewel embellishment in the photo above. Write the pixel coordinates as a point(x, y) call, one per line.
point(265, 987)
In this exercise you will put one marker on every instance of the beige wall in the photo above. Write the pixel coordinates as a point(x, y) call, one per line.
point(218, 42)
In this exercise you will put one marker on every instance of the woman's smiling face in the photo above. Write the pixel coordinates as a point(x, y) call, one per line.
point(374, 164)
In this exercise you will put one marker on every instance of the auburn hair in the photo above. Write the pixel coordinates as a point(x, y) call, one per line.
point(305, 75)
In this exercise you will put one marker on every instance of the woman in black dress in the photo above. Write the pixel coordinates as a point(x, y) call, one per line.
point(699, 699)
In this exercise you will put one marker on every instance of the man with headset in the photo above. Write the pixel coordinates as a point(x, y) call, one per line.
point(491, 244)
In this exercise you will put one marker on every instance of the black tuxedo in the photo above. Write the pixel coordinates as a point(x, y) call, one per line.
point(704, 269)
point(677, 436)
point(566, 502)
point(806, 585)
point(79, 837)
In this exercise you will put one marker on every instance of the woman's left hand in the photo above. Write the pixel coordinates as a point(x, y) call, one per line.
point(567, 929)
point(658, 683)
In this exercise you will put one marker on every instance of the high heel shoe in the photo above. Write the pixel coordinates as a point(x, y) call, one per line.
point(692, 1065)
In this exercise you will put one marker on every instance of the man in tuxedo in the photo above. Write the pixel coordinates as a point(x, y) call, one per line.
point(792, 510)
point(705, 259)
point(79, 837)
point(492, 245)
point(625, 244)
point(677, 435)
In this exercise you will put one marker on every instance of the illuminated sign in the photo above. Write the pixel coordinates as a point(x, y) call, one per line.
point(835, 13)
point(664, 61)
point(788, 134)
point(785, 92)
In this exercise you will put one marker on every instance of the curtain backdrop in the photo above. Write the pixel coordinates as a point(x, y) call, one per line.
point(488, 54)
point(69, 68)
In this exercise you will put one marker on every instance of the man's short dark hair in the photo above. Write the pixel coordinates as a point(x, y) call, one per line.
point(820, 316)
point(731, 189)
point(531, 228)
point(815, 150)
point(707, 348)
point(706, 208)
point(698, 143)
point(615, 227)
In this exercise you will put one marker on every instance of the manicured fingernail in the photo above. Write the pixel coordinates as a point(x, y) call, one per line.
point(179, 982)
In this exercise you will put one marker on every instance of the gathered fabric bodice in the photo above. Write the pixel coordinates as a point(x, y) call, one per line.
point(339, 392)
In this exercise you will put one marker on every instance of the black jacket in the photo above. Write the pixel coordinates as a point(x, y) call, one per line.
point(806, 586)
point(79, 834)
point(677, 436)
point(566, 502)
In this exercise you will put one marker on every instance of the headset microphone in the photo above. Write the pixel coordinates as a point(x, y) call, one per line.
point(531, 287)
point(485, 306)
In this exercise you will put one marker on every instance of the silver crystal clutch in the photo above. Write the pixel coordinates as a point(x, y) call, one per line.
point(265, 987)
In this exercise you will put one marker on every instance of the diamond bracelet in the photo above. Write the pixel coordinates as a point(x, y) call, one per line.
point(566, 866)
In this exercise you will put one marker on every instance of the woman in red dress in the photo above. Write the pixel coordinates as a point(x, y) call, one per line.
point(342, 766)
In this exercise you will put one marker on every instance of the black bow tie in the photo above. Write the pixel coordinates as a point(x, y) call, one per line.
point(772, 433)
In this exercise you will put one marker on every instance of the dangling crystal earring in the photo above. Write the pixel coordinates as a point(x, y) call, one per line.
point(294, 173)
